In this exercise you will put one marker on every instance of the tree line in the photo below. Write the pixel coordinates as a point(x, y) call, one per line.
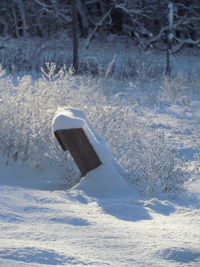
point(144, 20)
point(167, 25)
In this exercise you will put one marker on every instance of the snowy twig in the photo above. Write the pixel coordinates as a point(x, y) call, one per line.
point(97, 27)
point(182, 43)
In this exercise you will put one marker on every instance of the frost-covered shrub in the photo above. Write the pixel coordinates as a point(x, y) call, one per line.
point(147, 158)
point(156, 167)
point(27, 110)
point(107, 58)
point(177, 89)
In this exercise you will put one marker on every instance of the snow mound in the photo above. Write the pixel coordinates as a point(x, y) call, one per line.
point(105, 180)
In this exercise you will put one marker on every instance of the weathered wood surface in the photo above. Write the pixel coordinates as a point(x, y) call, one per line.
point(76, 141)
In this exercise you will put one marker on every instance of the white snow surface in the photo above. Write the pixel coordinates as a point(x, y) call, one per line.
point(101, 221)
point(42, 224)
point(104, 181)
point(69, 118)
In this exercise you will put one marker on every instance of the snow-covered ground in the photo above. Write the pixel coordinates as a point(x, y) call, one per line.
point(43, 223)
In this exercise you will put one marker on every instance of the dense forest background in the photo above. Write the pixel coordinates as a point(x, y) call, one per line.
point(31, 29)
point(146, 21)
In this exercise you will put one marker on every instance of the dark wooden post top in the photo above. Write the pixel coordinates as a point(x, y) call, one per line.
point(76, 141)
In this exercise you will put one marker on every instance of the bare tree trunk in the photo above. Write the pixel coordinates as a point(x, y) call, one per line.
point(83, 18)
point(19, 16)
point(75, 36)
point(23, 18)
point(15, 20)
point(168, 64)
point(169, 38)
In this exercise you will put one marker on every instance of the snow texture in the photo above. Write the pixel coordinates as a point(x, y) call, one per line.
point(98, 222)
point(42, 226)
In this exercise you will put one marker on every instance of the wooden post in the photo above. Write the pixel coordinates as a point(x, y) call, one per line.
point(76, 141)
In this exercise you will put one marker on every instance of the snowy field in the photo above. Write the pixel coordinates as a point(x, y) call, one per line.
point(45, 227)
point(152, 126)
